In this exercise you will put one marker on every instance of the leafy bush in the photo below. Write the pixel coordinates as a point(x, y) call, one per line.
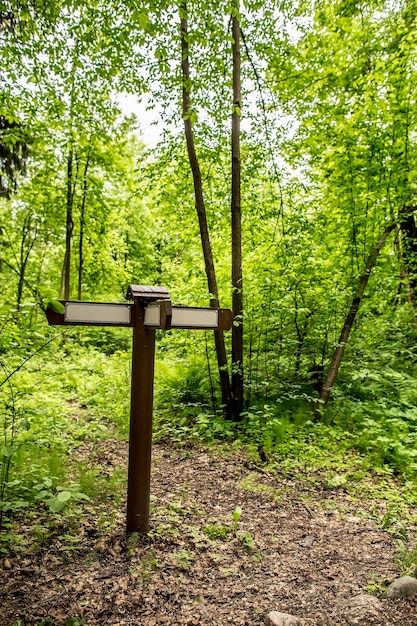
point(182, 383)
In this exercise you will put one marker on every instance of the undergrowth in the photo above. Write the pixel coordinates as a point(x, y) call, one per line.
point(71, 395)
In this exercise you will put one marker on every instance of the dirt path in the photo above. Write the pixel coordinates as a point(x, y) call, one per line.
point(287, 553)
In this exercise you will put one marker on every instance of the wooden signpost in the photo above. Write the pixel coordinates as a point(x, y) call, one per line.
point(150, 309)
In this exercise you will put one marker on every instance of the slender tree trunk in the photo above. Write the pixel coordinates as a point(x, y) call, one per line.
point(69, 225)
point(249, 365)
point(408, 232)
point(237, 278)
point(201, 212)
point(349, 321)
point(82, 225)
point(407, 263)
point(25, 251)
point(301, 335)
point(301, 330)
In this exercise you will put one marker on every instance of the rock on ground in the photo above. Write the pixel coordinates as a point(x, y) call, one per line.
point(360, 607)
point(275, 618)
point(402, 588)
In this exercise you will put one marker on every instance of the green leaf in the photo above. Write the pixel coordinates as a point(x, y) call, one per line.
point(20, 504)
point(141, 17)
point(80, 496)
point(42, 494)
point(55, 505)
point(237, 514)
point(56, 306)
point(143, 20)
point(8, 451)
point(64, 496)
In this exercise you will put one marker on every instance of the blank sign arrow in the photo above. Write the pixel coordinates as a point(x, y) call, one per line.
point(187, 317)
point(92, 314)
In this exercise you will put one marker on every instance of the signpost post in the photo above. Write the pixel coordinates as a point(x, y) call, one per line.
point(150, 310)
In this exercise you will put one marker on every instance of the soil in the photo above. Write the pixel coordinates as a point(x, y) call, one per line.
point(297, 547)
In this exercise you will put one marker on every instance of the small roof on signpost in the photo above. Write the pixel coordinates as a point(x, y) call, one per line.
point(147, 293)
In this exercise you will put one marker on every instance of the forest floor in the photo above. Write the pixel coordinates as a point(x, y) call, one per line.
point(299, 547)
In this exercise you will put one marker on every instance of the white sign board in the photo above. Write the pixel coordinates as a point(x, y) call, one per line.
point(97, 313)
point(195, 318)
point(153, 316)
point(183, 317)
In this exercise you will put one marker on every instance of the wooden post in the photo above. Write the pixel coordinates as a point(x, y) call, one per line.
point(140, 440)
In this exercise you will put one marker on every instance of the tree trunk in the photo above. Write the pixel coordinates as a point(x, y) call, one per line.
point(201, 212)
point(405, 278)
point(408, 229)
point(26, 246)
point(69, 225)
point(237, 279)
point(82, 225)
point(349, 321)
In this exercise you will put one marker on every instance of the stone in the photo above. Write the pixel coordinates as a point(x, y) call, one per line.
point(275, 618)
point(401, 588)
point(360, 608)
